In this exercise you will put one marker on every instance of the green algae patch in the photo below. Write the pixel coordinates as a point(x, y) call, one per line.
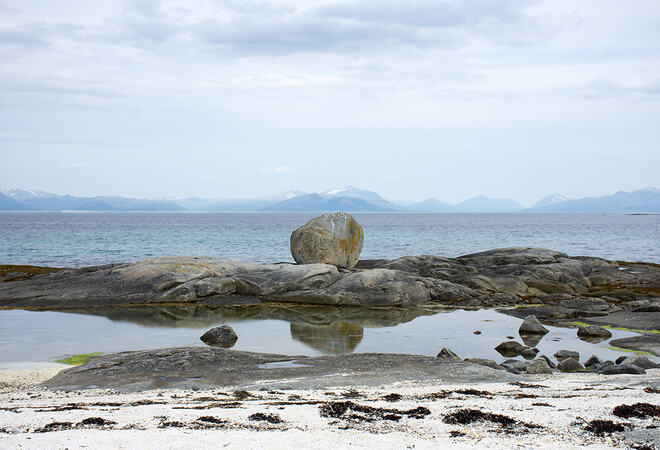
point(583, 324)
point(637, 352)
point(77, 360)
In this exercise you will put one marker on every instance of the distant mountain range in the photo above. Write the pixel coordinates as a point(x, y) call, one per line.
point(341, 199)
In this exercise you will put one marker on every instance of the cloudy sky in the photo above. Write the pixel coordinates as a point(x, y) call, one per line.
point(411, 98)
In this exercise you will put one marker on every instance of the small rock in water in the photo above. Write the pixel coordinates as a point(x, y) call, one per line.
point(620, 359)
point(529, 353)
point(510, 348)
point(593, 332)
point(532, 325)
point(569, 365)
point(538, 366)
point(331, 238)
point(476, 332)
point(619, 369)
point(563, 354)
point(445, 353)
point(223, 336)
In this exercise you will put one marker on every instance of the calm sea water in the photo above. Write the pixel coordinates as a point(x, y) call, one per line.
point(80, 239)
point(30, 338)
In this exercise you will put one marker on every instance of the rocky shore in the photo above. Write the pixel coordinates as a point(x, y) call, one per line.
point(553, 286)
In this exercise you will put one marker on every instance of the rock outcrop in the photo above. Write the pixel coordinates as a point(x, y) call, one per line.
point(331, 238)
point(567, 287)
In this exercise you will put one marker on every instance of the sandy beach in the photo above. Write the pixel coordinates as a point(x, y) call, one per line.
point(555, 410)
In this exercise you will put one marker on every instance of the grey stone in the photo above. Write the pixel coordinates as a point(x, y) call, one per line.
point(331, 238)
point(593, 361)
point(538, 366)
point(569, 365)
point(620, 369)
point(223, 336)
point(593, 331)
point(485, 362)
point(529, 353)
point(551, 364)
point(445, 353)
point(515, 364)
point(510, 348)
point(640, 361)
point(532, 325)
point(563, 354)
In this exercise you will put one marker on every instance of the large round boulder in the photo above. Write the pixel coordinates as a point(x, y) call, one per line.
point(331, 238)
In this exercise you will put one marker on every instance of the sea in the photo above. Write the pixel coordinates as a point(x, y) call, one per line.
point(85, 239)
point(41, 338)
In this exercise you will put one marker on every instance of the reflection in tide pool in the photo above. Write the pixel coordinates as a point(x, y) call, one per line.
point(29, 337)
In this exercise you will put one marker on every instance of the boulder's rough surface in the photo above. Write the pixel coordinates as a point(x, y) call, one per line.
point(331, 238)
point(223, 336)
point(532, 325)
point(592, 289)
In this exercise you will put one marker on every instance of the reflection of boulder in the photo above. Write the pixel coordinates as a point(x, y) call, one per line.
point(337, 338)
point(204, 316)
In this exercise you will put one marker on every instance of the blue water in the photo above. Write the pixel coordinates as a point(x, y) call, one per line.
point(81, 239)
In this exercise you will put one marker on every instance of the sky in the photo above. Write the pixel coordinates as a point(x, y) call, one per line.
point(411, 99)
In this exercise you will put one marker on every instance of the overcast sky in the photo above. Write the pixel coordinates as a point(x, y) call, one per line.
point(412, 99)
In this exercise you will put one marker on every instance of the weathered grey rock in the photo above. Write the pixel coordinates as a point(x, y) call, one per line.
point(515, 364)
point(207, 367)
point(593, 332)
point(594, 361)
point(548, 361)
point(446, 353)
point(538, 366)
point(510, 348)
point(331, 238)
point(640, 361)
point(563, 354)
point(501, 277)
point(621, 369)
point(532, 325)
point(569, 365)
point(485, 362)
point(223, 336)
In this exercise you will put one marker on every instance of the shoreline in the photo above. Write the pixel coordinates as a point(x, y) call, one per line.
point(553, 410)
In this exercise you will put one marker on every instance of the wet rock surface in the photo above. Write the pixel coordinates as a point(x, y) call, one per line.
point(191, 367)
point(566, 287)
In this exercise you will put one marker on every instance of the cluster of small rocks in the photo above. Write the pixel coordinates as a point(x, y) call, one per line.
point(567, 360)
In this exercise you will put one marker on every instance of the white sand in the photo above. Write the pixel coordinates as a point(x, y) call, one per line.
point(568, 401)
